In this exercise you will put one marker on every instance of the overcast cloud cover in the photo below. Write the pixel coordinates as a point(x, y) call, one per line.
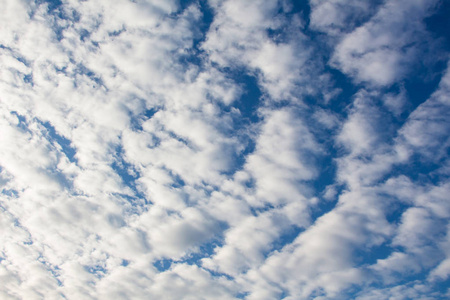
point(224, 149)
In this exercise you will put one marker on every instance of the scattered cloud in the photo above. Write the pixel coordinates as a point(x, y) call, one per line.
point(223, 150)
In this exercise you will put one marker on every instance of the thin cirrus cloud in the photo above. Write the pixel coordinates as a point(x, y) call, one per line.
point(224, 150)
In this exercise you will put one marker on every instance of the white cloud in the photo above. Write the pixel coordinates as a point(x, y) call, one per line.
point(128, 168)
point(414, 290)
point(338, 16)
point(382, 51)
point(239, 37)
point(426, 130)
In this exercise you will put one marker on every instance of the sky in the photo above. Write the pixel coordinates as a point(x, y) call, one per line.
point(225, 149)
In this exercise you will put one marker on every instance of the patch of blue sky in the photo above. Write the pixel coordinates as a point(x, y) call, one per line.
point(423, 81)
point(325, 163)
point(124, 263)
point(256, 211)
point(347, 90)
point(208, 249)
point(97, 270)
point(324, 206)
point(53, 137)
point(195, 257)
point(21, 59)
point(370, 255)
point(290, 11)
point(194, 54)
point(205, 22)
point(247, 104)
point(129, 175)
point(438, 23)
point(81, 69)
point(63, 142)
point(137, 121)
point(286, 238)
point(396, 210)
point(56, 14)
point(52, 4)
point(442, 287)
point(178, 182)
point(243, 295)
point(205, 250)
point(220, 274)
point(28, 78)
point(250, 100)
point(133, 205)
point(163, 265)
point(207, 189)
point(54, 270)
point(419, 170)
point(125, 170)
point(22, 121)
point(117, 32)
point(9, 192)
point(84, 34)
point(184, 141)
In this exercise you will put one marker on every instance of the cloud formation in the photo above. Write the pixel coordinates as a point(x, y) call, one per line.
point(224, 149)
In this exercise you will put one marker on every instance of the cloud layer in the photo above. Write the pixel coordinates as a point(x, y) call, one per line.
point(224, 149)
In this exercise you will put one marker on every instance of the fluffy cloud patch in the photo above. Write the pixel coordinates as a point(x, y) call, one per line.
point(223, 150)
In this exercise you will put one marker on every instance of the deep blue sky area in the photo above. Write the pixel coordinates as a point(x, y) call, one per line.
point(225, 149)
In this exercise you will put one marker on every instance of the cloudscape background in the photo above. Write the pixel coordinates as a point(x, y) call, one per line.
point(224, 149)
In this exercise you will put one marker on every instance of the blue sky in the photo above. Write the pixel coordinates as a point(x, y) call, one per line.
point(225, 149)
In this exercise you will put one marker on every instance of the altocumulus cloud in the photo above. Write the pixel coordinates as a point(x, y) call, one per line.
point(224, 149)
